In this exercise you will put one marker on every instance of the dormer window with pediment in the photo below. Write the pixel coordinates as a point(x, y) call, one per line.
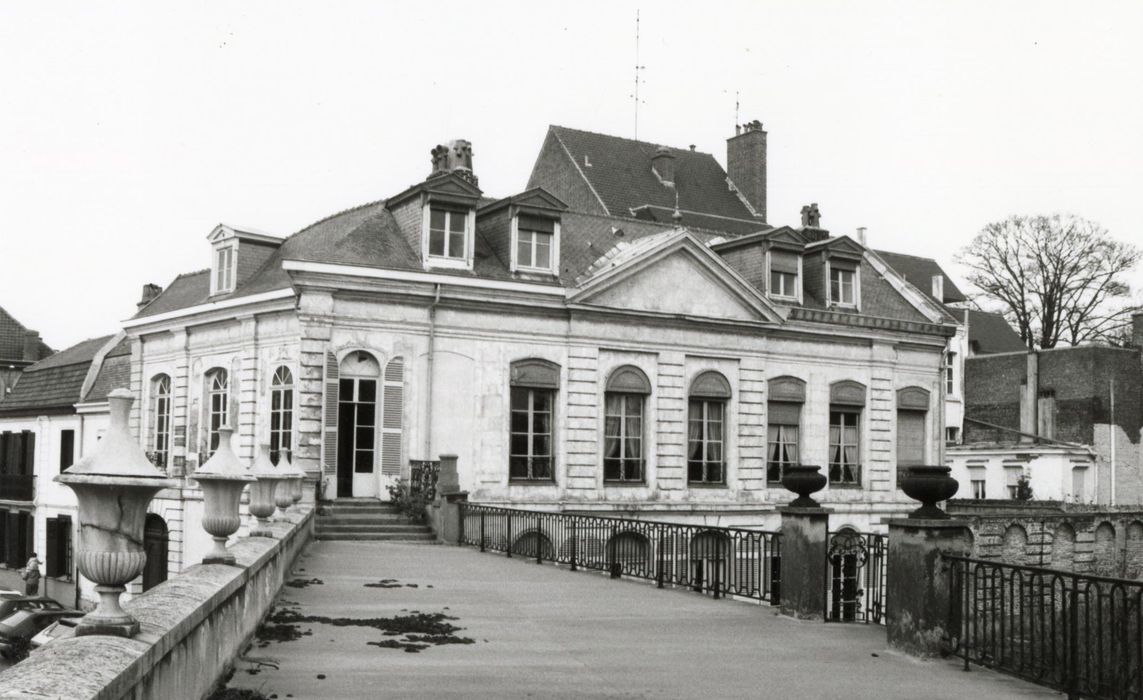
point(535, 243)
point(840, 273)
point(785, 275)
point(222, 273)
point(843, 287)
point(449, 234)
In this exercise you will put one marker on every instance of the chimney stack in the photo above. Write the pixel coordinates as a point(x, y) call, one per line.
point(32, 346)
point(663, 163)
point(938, 288)
point(746, 165)
point(1137, 329)
point(861, 236)
point(150, 291)
point(454, 157)
point(811, 223)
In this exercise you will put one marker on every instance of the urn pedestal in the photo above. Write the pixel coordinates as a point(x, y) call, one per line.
point(929, 485)
point(222, 479)
point(113, 487)
point(263, 492)
point(804, 480)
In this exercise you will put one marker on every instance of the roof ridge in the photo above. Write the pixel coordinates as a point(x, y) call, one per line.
point(103, 339)
point(624, 138)
point(904, 255)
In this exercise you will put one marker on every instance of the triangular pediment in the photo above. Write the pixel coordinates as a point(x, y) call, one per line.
point(539, 198)
point(840, 244)
point(673, 274)
point(784, 235)
point(451, 185)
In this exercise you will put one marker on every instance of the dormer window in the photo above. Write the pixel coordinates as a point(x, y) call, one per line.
point(448, 235)
point(536, 241)
point(785, 268)
point(842, 285)
point(224, 259)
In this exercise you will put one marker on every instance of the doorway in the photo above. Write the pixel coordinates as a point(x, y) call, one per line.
point(357, 425)
point(155, 538)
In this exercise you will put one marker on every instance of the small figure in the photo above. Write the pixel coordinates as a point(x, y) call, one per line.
point(31, 576)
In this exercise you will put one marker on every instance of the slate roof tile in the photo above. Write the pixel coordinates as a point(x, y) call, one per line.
point(920, 272)
point(55, 382)
point(989, 333)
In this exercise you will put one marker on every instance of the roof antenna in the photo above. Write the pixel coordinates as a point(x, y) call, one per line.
point(638, 69)
point(736, 122)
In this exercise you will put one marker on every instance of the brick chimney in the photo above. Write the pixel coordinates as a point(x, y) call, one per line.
point(746, 164)
point(663, 163)
point(150, 291)
point(454, 157)
point(32, 346)
point(1137, 329)
point(812, 223)
point(938, 287)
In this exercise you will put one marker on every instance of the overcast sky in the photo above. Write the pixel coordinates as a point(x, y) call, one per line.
point(128, 130)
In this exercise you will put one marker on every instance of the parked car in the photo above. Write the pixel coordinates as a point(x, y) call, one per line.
point(9, 593)
point(54, 630)
point(9, 605)
point(22, 625)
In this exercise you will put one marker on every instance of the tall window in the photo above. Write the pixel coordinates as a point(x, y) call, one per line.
point(160, 419)
point(223, 269)
point(217, 406)
point(844, 450)
point(950, 375)
point(448, 233)
point(912, 412)
point(532, 398)
point(842, 286)
point(624, 401)
point(706, 424)
point(534, 240)
point(357, 414)
point(57, 562)
point(783, 417)
point(978, 490)
point(67, 449)
point(281, 415)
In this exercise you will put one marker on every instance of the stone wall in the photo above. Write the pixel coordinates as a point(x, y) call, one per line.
point(193, 627)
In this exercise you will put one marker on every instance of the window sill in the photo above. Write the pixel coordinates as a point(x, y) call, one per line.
point(534, 272)
point(845, 486)
point(448, 263)
point(624, 484)
point(704, 485)
point(531, 482)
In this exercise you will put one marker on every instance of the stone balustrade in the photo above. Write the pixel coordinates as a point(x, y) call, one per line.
point(193, 626)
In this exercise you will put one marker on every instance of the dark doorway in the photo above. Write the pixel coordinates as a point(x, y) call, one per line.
point(155, 546)
point(357, 425)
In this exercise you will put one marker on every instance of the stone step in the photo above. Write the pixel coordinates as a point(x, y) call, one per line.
point(323, 528)
point(425, 538)
point(352, 518)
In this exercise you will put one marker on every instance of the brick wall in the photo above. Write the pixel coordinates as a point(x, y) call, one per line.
point(746, 167)
point(496, 230)
point(750, 262)
point(555, 173)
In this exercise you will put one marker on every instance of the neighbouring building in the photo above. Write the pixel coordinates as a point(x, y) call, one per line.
point(1066, 419)
point(628, 335)
point(56, 415)
point(19, 348)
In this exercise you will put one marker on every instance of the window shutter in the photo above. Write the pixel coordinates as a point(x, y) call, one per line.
point(329, 415)
point(784, 413)
point(3, 537)
point(67, 449)
point(52, 551)
point(392, 417)
point(12, 539)
point(784, 262)
point(536, 223)
point(29, 452)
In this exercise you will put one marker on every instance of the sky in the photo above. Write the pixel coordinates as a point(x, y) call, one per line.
point(129, 130)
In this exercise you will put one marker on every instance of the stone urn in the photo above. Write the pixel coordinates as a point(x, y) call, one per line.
point(113, 486)
point(262, 492)
point(804, 480)
point(222, 479)
point(929, 485)
point(297, 484)
point(284, 490)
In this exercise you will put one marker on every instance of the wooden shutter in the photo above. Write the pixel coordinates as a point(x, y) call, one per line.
point(392, 417)
point(329, 415)
point(3, 536)
point(67, 448)
point(52, 553)
point(12, 540)
point(29, 466)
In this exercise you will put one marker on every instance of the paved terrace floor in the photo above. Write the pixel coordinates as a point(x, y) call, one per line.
point(542, 631)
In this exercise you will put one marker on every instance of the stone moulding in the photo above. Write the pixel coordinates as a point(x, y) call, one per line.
point(181, 618)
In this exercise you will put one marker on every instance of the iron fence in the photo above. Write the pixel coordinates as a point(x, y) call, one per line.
point(855, 590)
point(717, 560)
point(1077, 633)
point(423, 475)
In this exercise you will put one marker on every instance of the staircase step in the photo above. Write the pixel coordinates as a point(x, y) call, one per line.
point(362, 518)
point(322, 527)
point(395, 537)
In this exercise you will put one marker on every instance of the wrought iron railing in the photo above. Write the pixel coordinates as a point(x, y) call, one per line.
point(17, 487)
point(1081, 634)
point(717, 560)
point(855, 590)
point(423, 475)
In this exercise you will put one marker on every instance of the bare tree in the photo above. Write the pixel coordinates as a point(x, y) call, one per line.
point(1059, 278)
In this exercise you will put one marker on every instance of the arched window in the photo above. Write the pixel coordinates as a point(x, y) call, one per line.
point(160, 419)
point(706, 429)
point(360, 374)
point(217, 406)
point(624, 403)
point(282, 415)
point(533, 398)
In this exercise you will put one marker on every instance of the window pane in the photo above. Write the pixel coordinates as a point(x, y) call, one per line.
point(541, 445)
point(542, 468)
point(524, 251)
point(543, 250)
point(367, 390)
point(436, 242)
point(542, 423)
point(345, 390)
point(519, 445)
point(456, 245)
point(366, 414)
point(518, 467)
point(519, 422)
point(542, 400)
point(519, 399)
point(611, 470)
point(363, 462)
point(457, 221)
point(365, 438)
point(437, 220)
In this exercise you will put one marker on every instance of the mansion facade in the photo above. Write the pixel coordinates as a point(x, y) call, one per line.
point(628, 335)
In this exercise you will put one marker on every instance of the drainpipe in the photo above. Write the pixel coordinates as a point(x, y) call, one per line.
point(429, 377)
point(943, 380)
point(1111, 428)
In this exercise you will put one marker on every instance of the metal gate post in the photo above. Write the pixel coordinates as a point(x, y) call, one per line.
point(509, 536)
point(482, 530)
point(574, 544)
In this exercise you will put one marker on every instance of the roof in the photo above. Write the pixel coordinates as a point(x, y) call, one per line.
point(989, 333)
point(919, 272)
point(114, 373)
point(12, 337)
point(622, 176)
point(54, 383)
